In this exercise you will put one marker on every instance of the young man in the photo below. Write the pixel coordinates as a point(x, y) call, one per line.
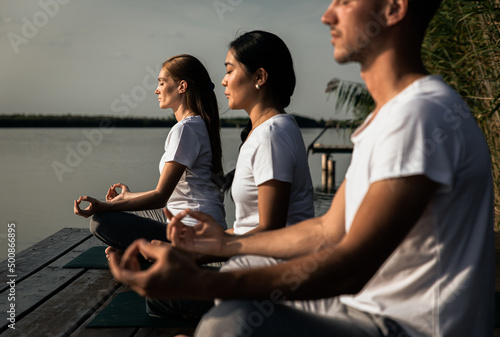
point(406, 248)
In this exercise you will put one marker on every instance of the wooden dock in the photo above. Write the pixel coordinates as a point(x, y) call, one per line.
point(329, 149)
point(54, 301)
point(328, 163)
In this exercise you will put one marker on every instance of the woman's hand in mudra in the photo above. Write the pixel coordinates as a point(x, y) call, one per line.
point(113, 194)
point(95, 206)
point(206, 237)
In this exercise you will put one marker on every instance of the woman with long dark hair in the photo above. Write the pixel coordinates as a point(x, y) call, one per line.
point(272, 185)
point(190, 168)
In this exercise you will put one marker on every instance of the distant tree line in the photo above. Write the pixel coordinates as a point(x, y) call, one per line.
point(69, 121)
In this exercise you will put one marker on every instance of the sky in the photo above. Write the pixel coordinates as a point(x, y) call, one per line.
point(90, 57)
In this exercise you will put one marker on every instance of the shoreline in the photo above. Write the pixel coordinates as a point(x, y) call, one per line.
point(74, 121)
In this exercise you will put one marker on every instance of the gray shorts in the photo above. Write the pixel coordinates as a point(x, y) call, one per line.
point(275, 317)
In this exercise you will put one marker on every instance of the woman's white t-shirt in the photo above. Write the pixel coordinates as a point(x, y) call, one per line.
point(274, 150)
point(188, 144)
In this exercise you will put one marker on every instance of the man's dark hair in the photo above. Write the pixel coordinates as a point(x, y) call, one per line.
point(421, 13)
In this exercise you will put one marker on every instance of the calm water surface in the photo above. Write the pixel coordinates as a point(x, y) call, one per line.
point(43, 170)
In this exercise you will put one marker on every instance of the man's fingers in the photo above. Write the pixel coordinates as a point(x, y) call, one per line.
point(168, 214)
point(176, 229)
point(173, 237)
point(199, 215)
point(158, 242)
point(175, 221)
point(177, 217)
point(114, 266)
point(131, 278)
point(182, 215)
point(129, 258)
point(152, 251)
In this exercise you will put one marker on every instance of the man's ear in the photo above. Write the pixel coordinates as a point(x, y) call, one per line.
point(261, 76)
point(182, 87)
point(396, 11)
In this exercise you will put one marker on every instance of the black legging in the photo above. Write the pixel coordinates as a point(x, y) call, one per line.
point(120, 229)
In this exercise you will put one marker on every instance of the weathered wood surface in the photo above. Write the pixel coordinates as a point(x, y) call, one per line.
point(42, 285)
point(44, 252)
point(70, 307)
point(126, 332)
point(320, 148)
point(56, 301)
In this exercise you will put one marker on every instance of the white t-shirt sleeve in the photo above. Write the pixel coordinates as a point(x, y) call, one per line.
point(182, 146)
point(274, 158)
point(412, 145)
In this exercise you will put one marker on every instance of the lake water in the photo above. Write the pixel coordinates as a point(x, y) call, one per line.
point(43, 170)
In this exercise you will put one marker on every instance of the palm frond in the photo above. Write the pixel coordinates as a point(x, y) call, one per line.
point(351, 98)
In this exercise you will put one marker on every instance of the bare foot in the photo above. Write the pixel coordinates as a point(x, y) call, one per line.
point(118, 253)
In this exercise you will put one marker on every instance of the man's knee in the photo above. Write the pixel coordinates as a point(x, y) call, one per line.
point(236, 318)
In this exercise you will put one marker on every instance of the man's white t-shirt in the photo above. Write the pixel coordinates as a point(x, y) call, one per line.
point(188, 144)
point(440, 280)
point(274, 150)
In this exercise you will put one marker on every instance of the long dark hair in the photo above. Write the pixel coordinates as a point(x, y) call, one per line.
point(260, 49)
point(201, 100)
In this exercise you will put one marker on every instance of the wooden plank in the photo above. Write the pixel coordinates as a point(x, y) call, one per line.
point(41, 254)
point(68, 309)
point(320, 148)
point(42, 285)
point(164, 332)
point(104, 332)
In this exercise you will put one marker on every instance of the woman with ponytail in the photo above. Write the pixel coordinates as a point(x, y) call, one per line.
point(190, 169)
